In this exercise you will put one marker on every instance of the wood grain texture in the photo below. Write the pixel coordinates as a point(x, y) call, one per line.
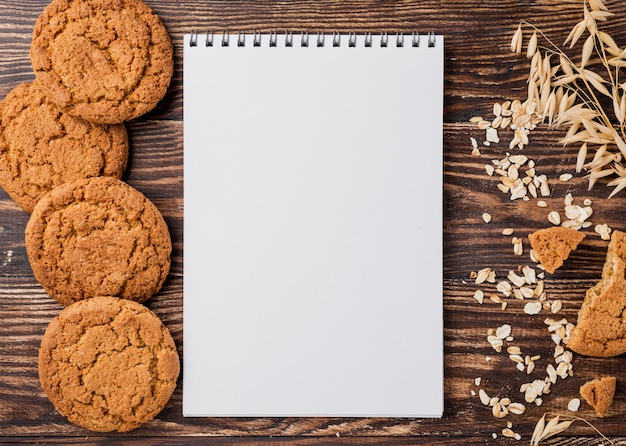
point(479, 70)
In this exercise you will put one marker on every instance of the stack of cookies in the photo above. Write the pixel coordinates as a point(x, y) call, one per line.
point(96, 244)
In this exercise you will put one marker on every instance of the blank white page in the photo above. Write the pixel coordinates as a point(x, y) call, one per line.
point(313, 228)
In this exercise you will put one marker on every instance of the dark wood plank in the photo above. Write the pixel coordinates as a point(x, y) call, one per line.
point(479, 70)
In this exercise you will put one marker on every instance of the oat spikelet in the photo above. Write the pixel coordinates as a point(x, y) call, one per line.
point(532, 46)
point(545, 430)
point(576, 33)
point(597, 5)
point(582, 156)
point(587, 51)
point(516, 42)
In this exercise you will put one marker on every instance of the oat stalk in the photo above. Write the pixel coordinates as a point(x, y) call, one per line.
point(556, 425)
point(574, 94)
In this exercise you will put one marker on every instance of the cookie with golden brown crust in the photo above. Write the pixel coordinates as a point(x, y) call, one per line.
point(553, 245)
point(108, 364)
point(106, 61)
point(600, 329)
point(98, 236)
point(599, 394)
point(41, 147)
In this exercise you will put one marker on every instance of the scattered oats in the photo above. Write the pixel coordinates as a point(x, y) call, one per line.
point(482, 275)
point(530, 395)
point(562, 370)
point(503, 305)
point(495, 299)
point(505, 288)
point(530, 367)
point(518, 247)
point(487, 217)
point(542, 204)
point(494, 435)
point(551, 371)
point(604, 231)
point(568, 200)
point(492, 135)
point(520, 366)
point(517, 280)
point(475, 152)
point(556, 306)
point(506, 432)
point(530, 275)
point(477, 381)
point(519, 191)
point(474, 142)
point(473, 392)
point(514, 350)
point(516, 358)
point(517, 408)
point(479, 295)
point(476, 119)
point(554, 218)
point(497, 109)
point(491, 277)
point(473, 275)
point(566, 177)
point(573, 405)
point(507, 231)
point(527, 292)
point(533, 257)
point(503, 188)
point(496, 343)
point(503, 331)
point(532, 308)
point(484, 398)
point(499, 411)
point(559, 350)
point(539, 289)
point(489, 169)
point(486, 143)
point(587, 202)
point(518, 159)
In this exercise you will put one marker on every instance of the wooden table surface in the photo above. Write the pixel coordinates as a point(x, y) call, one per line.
point(480, 70)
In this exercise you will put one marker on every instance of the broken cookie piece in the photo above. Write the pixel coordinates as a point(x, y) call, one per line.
point(601, 330)
point(553, 245)
point(599, 394)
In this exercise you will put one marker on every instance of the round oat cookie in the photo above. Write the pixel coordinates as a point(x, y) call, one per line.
point(108, 364)
point(98, 236)
point(106, 61)
point(42, 147)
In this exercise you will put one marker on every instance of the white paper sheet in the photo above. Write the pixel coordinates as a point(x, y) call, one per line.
point(313, 229)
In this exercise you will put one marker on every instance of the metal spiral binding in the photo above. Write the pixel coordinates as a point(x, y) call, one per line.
point(320, 39)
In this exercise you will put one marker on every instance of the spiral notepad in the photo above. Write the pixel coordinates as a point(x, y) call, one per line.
point(313, 224)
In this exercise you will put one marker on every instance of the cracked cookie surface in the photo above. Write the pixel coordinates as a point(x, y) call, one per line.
point(42, 147)
point(601, 327)
point(106, 61)
point(98, 236)
point(108, 364)
point(553, 245)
